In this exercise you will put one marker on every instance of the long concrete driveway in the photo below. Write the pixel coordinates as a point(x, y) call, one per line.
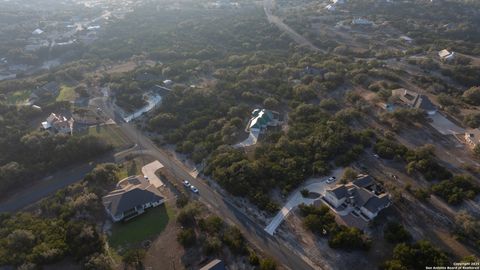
point(217, 201)
point(316, 185)
point(285, 253)
point(149, 171)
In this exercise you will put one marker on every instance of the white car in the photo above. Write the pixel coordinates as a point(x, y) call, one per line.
point(186, 183)
point(331, 179)
point(194, 189)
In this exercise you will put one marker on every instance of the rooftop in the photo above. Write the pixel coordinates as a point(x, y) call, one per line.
point(131, 192)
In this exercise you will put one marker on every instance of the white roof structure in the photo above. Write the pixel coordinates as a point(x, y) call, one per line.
point(93, 27)
point(37, 31)
point(330, 7)
point(46, 125)
point(406, 38)
point(446, 55)
point(361, 21)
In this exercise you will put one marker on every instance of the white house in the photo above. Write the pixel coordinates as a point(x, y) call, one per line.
point(131, 198)
point(168, 83)
point(363, 196)
point(336, 196)
point(58, 123)
point(446, 55)
point(37, 31)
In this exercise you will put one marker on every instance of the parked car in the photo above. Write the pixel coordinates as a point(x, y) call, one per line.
point(194, 189)
point(186, 183)
point(331, 179)
point(376, 156)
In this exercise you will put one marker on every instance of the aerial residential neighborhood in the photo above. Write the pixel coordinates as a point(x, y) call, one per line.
point(240, 134)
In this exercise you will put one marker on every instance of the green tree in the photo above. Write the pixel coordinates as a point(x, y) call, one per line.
point(396, 233)
point(349, 175)
point(472, 96)
point(187, 237)
point(267, 264)
point(416, 257)
point(134, 257)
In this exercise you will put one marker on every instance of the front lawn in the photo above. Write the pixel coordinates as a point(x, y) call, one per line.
point(141, 228)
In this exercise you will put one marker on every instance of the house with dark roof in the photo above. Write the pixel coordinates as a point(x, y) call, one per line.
point(214, 265)
point(132, 196)
point(415, 100)
point(337, 195)
point(362, 196)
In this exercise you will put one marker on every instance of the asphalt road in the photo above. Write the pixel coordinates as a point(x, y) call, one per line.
point(302, 41)
point(219, 204)
point(49, 185)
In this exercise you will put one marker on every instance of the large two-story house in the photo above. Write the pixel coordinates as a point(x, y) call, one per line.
point(131, 198)
point(363, 195)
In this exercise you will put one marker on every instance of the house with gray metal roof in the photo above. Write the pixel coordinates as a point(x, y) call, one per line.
point(132, 196)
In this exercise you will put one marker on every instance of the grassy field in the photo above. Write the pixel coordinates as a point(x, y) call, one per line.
point(18, 96)
point(140, 228)
point(67, 93)
point(110, 133)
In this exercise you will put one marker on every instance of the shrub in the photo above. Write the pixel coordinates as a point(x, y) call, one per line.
point(187, 237)
point(396, 233)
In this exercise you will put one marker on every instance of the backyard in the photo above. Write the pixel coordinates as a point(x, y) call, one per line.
point(141, 228)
